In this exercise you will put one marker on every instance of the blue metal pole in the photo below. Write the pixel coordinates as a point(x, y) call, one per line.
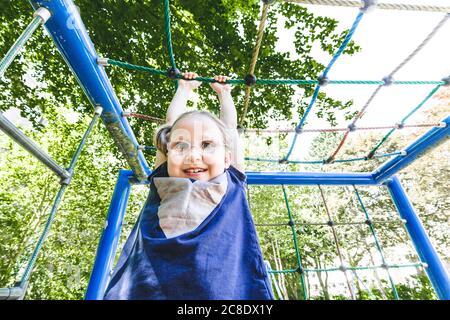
point(309, 178)
point(435, 269)
point(416, 149)
point(108, 243)
point(70, 36)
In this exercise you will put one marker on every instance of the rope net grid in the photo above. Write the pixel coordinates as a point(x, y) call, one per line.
point(320, 82)
point(341, 243)
point(301, 266)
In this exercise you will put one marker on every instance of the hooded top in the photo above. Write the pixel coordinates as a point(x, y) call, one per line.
point(193, 240)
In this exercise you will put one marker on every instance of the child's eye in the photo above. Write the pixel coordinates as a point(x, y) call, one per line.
point(181, 146)
point(208, 146)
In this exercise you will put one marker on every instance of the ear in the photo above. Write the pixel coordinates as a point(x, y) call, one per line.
point(227, 158)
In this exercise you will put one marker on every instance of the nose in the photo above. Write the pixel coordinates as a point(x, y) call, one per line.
point(194, 155)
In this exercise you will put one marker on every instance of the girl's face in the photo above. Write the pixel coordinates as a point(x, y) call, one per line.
point(196, 149)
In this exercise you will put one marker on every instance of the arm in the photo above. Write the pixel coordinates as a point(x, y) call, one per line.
point(228, 115)
point(179, 101)
point(178, 106)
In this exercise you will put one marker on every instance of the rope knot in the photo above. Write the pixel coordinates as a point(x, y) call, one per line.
point(300, 270)
point(343, 268)
point(388, 80)
point(323, 80)
point(250, 79)
point(298, 130)
point(173, 73)
point(351, 127)
point(369, 5)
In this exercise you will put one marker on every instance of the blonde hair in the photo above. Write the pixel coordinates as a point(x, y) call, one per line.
point(162, 136)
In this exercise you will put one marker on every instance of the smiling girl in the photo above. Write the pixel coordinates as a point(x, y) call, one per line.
point(195, 237)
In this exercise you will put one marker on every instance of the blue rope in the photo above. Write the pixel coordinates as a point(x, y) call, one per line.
point(421, 104)
point(324, 75)
point(345, 43)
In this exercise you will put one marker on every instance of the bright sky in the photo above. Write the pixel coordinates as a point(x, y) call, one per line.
point(386, 38)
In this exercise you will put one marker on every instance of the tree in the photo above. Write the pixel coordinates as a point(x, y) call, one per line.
point(209, 37)
point(425, 183)
point(27, 191)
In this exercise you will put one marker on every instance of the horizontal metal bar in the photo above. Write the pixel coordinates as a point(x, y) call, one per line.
point(14, 133)
point(302, 178)
point(13, 293)
point(309, 178)
point(415, 150)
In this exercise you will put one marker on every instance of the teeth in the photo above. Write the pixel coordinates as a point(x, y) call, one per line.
point(194, 170)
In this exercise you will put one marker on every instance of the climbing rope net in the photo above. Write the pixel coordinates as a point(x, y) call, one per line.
point(322, 81)
point(250, 80)
point(350, 272)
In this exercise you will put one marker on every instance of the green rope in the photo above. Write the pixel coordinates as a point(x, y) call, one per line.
point(377, 243)
point(154, 71)
point(391, 266)
point(383, 140)
point(283, 271)
point(169, 36)
point(130, 66)
point(297, 251)
point(168, 33)
point(421, 104)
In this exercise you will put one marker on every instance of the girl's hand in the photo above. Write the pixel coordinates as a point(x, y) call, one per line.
point(220, 86)
point(189, 84)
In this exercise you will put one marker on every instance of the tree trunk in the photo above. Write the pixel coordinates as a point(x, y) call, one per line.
point(323, 282)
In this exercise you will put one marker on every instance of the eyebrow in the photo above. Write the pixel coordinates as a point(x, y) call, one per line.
point(173, 143)
point(208, 137)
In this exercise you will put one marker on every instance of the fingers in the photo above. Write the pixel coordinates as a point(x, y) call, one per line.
point(221, 79)
point(190, 75)
point(193, 75)
point(188, 81)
